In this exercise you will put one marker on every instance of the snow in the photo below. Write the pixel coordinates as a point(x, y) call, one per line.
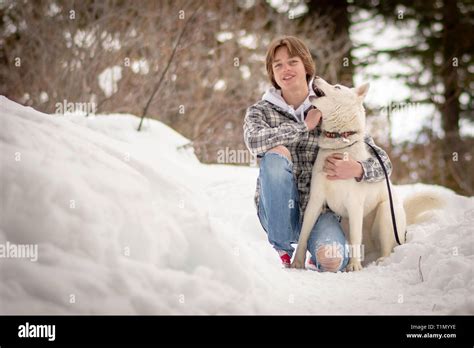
point(131, 222)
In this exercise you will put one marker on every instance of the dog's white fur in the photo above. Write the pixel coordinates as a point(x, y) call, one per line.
point(362, 203)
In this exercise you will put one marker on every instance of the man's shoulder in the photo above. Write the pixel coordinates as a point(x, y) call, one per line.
point(266, 108)
point(261, 105)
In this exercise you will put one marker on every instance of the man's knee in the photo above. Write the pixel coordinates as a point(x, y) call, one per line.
point(275, 168)
point(329, 258)
point(282, 150)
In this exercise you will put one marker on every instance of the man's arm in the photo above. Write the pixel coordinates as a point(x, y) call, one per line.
point(373, 171)
point(260, 137)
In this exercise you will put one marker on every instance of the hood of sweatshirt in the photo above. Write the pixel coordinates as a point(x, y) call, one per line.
point(274, 96)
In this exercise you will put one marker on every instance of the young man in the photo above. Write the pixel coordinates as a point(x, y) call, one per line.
point(282, 130)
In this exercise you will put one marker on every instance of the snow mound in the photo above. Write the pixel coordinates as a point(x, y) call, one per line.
point(119, 223)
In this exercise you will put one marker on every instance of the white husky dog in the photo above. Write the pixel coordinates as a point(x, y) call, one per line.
point(343, 131)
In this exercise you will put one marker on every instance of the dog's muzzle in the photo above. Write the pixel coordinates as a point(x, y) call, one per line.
point(319, 92)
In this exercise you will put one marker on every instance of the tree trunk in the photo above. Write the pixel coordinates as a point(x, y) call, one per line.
point(453, 150)
point(451, 57)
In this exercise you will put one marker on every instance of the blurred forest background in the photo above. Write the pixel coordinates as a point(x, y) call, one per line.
point(197, 65)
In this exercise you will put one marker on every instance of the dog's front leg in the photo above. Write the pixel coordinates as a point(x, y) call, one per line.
point(355, 236)
point(311, 214)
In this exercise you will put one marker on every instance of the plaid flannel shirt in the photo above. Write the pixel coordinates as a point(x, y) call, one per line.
point(267, 125)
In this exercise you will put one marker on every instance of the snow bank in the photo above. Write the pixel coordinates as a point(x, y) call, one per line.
point(119, 221)
point(131, 222)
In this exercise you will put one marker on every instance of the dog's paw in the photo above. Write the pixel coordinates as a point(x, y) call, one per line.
point(354, 266)
point(297, 264)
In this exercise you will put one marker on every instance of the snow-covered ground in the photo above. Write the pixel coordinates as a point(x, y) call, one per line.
point(125, 222)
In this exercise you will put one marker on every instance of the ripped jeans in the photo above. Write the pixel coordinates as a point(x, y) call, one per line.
point(279, 214)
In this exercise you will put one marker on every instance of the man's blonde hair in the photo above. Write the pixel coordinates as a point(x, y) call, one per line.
point(296, 48)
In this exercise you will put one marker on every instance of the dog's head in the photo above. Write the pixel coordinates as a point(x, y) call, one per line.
point(342, 107)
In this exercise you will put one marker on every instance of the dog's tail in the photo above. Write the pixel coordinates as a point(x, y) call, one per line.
point(417, 204)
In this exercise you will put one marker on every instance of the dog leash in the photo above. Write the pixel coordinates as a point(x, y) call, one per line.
point(389, 194)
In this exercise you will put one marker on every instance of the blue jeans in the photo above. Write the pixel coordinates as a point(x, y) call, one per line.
point(279, 213)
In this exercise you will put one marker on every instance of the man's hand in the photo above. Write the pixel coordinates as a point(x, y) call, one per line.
point(312, 118)
point(340, 167)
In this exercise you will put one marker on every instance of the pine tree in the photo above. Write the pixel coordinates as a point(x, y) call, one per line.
point(444, 48)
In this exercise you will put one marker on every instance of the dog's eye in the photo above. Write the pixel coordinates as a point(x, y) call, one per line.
point(337, 87)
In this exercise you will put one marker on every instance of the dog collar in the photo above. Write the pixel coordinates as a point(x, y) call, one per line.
point(338, 135)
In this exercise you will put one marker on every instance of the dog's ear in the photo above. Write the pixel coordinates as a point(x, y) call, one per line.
point(362, 90)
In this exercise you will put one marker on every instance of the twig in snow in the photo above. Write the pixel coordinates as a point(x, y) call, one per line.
point(419, 268)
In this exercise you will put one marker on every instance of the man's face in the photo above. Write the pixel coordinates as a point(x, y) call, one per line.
point(289, 71)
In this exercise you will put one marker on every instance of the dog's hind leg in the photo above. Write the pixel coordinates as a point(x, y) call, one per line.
point(383, 228)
